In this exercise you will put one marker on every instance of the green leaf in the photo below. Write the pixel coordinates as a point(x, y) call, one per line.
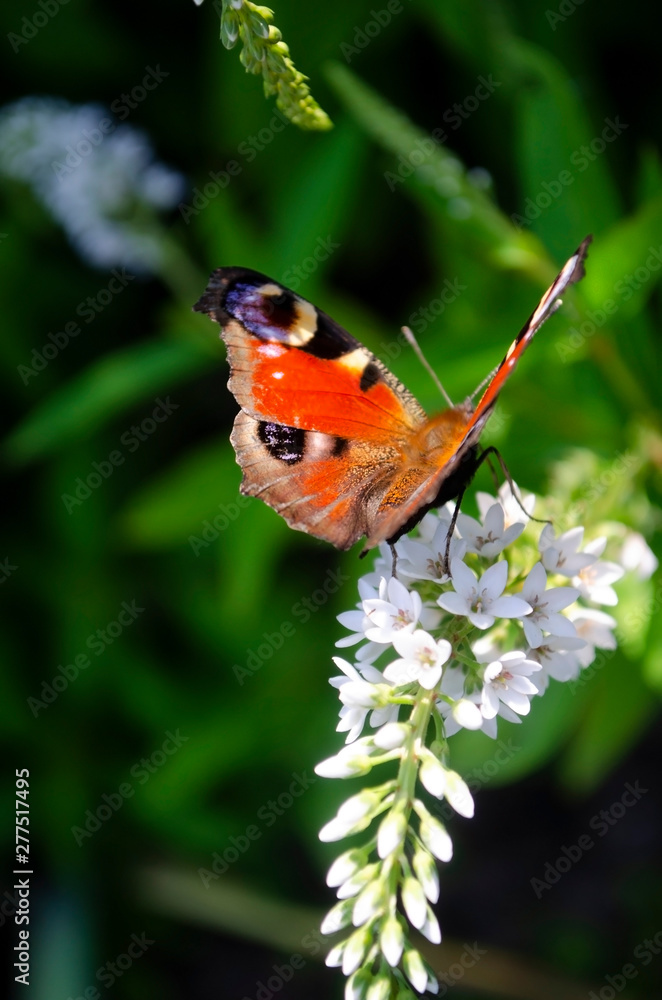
point(626, 262)
point(619, 708)
point(440, 175)
point(199, 497)
point(105, 389)
point(566, 186)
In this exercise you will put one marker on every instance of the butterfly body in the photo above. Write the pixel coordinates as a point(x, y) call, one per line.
point(326, 434)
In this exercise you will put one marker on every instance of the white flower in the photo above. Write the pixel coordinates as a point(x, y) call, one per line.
point(391, 833)
point(594, 581)
point(354, 712)
point(414, 901)
point(391, 940)
point(467, 714)
point(434, 834)
point(348, 762)
point(432, 931)
point(561, 555)
point(491, 537)
point(415, 970)
point(507, 680)
point(458, 795)
point(511, 508)
point(432, 773)
point(97, 192)
point(344, 867)
point(481, 600)
point(558, 658)
point(396, 609)
point(425, 560)
point(636, 556)
point(546, 604)
point(426, 873)
point(357, 621)
point(422, 658)
point(339, 916)
point(368, 903)
point(595, 627)
point(391, 735)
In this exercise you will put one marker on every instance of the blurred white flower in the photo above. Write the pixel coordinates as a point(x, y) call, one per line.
point(594, 581)
point(637, 556)
point(97, 178)
point(491, 537)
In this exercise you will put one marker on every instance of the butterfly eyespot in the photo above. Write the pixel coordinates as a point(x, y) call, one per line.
point(280, 300)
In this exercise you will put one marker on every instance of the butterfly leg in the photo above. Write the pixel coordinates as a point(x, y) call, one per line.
point(451, 528)
point(394, 558)
point(485, 457)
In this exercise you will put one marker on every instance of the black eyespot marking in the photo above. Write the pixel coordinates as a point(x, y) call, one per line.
point(339, 446)
point(284, 443)
point(282, 299)
point(371, 376)
point(280, 309)
point(264, 315)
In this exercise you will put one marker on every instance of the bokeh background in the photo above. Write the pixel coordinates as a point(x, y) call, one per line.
point(377, 235)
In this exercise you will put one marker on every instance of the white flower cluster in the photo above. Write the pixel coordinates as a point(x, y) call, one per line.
point(97, 178)
point(471, 644)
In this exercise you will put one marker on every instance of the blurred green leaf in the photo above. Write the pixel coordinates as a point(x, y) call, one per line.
point(106, 389)
point(618, 710)
point(199, 494)
point(626, 262)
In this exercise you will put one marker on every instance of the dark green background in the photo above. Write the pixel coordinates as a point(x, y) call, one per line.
point(564, 420)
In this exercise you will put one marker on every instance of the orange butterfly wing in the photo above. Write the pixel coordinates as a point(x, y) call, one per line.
point(326, 434)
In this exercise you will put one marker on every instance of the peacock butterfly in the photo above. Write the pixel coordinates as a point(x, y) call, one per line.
point(326, 435)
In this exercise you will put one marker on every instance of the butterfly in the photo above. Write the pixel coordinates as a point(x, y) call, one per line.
point(326, 435)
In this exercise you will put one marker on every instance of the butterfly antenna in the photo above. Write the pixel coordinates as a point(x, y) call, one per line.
point(426, 364)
